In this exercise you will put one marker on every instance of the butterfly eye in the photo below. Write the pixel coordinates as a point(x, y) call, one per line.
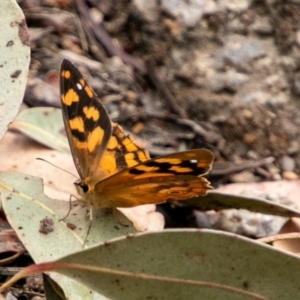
point(81, 187)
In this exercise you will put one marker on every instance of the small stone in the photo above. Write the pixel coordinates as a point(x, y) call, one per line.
point(287, 163)
point(243, 177)
point(147, 9)
point(296, 84)
point(262, 26)
point(293, 148)
point(256, 96)
point(240, 53)
point(287, 63)
point(131, 96)
point(248, 114)
point(96, 15)
point(249, 138)
point(289, 175)
point(298, 37)
point(263, 98)
point(231, 81)
point(276, 80)
point(251, 154)
point(237, 5)
point(241, 222)
point(188, 12)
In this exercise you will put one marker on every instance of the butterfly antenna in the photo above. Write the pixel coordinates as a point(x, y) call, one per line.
point(56, 166)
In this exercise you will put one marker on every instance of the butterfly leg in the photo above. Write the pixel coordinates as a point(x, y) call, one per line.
point(90, 225)
point(70, 208)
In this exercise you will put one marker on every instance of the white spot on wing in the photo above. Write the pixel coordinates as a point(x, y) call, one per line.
point(79, 86)
point(193, 161)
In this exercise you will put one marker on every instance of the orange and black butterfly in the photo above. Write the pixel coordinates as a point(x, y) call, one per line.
point(114, 171)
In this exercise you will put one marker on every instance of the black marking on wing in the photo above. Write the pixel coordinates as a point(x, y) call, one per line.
point(164, 167)
point(139, 154)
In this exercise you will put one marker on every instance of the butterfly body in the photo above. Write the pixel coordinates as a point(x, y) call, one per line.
point(114, 171)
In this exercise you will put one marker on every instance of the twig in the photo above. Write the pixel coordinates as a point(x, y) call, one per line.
point(207, 136)
point(105, 40)
point(161, 86)
point(234, 169)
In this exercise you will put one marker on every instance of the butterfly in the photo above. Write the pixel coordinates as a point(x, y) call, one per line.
point(114, 171)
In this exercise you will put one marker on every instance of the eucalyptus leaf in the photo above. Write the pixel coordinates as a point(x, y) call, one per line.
point(14, 61)
point(52, 290)
point(218, 201)
point(46, 232)
point(44, 125)
point(186, 264)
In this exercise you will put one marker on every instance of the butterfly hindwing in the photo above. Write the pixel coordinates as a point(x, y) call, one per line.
point(173, 177)
point(121, 152)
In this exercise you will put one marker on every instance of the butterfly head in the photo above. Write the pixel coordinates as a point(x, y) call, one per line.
point(81, 187)
point(86, 192)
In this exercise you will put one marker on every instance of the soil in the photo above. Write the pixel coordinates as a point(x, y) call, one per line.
point(183, 74)
point(222, 75)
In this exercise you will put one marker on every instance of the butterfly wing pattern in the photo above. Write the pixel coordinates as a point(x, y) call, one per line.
point(87, 123)
point(114, 171)
point(171, 177)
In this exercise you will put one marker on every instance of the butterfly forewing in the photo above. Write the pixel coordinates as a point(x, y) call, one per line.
point(87, 123)
point(99, 148)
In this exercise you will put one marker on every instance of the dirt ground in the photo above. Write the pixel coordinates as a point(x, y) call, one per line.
point(222, 75)
point(182, 74)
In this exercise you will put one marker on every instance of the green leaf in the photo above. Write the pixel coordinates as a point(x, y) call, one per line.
point(45, 125)
point(218, 201)
point(52, 290)
point(185, 264)
point(14, 61)
point(38, 223)
point(45, 218)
